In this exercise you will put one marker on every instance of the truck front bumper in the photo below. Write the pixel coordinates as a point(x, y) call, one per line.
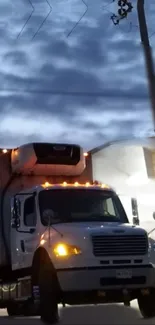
point(106, 278)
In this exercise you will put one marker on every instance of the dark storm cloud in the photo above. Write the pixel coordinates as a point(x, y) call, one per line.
point(9, 140)
point(99, 68)
point(16, 57)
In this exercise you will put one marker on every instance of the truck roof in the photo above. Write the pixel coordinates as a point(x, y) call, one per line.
point(66, 185)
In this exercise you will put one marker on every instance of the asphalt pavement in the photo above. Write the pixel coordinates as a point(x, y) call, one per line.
point(84, 315)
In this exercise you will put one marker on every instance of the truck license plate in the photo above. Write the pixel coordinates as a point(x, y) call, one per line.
point(124, 274)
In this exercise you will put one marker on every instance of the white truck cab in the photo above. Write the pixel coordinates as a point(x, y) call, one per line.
point(95, 255)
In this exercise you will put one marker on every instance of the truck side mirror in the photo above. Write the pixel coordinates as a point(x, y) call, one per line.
point(16, 217)
point(154, 215)
point(135, 221)
point(15, 223)
point(134, 207)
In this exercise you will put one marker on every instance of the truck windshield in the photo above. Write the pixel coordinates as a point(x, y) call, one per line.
point(80, 205)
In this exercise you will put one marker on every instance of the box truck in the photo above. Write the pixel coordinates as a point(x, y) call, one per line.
point(65, 239)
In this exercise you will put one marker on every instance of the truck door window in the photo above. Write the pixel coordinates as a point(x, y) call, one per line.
point(30, 218)
point(110, 207)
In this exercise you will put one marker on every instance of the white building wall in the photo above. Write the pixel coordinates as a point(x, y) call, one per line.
point(123, 167)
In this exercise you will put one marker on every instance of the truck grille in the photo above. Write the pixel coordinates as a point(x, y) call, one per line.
point(124, 245)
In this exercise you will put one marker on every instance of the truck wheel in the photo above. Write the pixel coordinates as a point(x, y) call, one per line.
point(13, 309)
point(48, 294)
point(147, 305)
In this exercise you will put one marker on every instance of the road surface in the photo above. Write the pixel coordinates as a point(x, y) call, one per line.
point(103, 314)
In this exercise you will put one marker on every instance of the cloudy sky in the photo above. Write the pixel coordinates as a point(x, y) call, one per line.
point(67, 73)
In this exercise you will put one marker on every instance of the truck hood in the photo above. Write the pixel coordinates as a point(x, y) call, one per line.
point(89, 228)
point(79, 234)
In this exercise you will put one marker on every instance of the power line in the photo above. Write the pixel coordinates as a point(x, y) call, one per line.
point(71, 93)
point(78, 22)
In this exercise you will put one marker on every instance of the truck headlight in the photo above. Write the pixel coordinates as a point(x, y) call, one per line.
point(63, 249)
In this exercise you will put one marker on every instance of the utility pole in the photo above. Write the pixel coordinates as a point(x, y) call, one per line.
point(147, 54)
point(125, 8)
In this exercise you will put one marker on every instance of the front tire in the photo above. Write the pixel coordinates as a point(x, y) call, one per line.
point(147, 305)
point(48, 294)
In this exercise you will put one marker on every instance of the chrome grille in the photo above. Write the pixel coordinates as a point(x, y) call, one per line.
point(114, 245)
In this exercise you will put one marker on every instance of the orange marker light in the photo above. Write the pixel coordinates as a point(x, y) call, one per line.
point(46, 184)
point(76, 183)
point(105, 186)
point(64, 184)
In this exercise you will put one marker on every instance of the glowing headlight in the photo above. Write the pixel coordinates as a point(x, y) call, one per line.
point(63, 249)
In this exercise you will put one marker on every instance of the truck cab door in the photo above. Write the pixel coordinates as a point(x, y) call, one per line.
point(25, 238)
point(30, 238)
